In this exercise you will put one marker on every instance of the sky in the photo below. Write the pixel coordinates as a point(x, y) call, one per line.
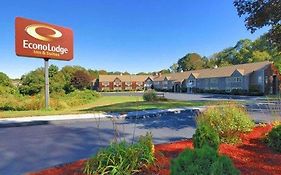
point(125, 35)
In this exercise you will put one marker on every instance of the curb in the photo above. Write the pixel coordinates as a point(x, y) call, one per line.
point(46, 120)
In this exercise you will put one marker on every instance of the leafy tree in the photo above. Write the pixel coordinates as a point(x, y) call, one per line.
point(5, 80)
point(103, 72)
point(94, 73)
point(191, 61)
point(258, 56)
point(260, 13)
point(165, 71)
point(33, 82)
point(81, 80)
point(174, 67)
point(144, 73)
point(53, 70)
point(126, 73)
point(68, 71)
point(57, 83)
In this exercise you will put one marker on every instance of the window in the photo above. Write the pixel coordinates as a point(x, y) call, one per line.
point(260, 79)
point(117, 83)
point(139, 83)
point(266, 79)
point(106, 83)
point(236, 79)
point(190, 83)
point(128, 83)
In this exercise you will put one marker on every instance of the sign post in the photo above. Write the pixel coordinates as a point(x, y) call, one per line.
point(42, 40)
point(46, 61)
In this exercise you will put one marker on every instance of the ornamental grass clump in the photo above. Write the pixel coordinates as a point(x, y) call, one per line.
point(205, 135)
point(122, 158)
point(229, 120)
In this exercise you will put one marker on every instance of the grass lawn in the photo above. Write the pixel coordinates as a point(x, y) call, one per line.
point(143, 105)
point(105, 104)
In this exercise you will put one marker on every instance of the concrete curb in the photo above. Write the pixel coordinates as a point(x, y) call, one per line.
point(45, 120)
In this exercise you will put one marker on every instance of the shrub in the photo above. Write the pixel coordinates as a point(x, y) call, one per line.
point(274, 138)
point(239, 92)
point(150, 95)
point(202, 161)
point(18, 102)
point(229, 120)
point(224, 166)
point(205, 135)
point(122, 158)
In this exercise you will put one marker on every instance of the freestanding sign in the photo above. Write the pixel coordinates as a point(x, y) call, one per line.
point(42, 40)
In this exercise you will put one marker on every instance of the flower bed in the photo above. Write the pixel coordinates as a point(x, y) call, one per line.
point(252, 156)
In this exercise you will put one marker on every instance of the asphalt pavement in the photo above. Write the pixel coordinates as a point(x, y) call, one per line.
point(31, 148)
point(34, 147)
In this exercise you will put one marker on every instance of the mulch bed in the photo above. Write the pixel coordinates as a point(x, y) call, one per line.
point(251, 157)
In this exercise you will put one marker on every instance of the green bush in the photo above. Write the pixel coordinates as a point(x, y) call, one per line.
point(122, 158)
point(18, 102)
point(274, 138)
point(202, 161)
point(205, 135)
point(150, 95)
point(223, 166)
point(229, 120)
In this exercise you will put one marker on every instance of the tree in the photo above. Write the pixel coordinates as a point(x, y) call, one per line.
point(33, 82)
point(174, 67)
point(94, 73)
point(68, 71)
point(165, 71)
point(191, 61)
point(5, 80)
point(258, 56)
point(144, 73)
point(81, 80)
point(53, 70)
point(57, 83)
point(103, 72)
point(260, 13)
point(126, 73)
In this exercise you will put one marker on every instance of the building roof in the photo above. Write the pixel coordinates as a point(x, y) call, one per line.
point(124, 78)
point(226, 71)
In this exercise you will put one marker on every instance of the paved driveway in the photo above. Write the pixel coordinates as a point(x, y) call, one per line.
point(185, 96)
point(206, 97)
point(24, 149)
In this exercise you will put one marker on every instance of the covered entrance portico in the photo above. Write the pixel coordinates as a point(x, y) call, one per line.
point(177, 87)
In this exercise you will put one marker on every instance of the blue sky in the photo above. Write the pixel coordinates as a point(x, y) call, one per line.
point(126, 35)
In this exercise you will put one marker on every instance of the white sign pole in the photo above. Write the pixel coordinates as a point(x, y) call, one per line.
point(46, 61)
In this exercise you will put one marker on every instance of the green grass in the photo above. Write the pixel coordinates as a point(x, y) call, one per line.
point(102, 101)
point(143, 105)
point(120, 104)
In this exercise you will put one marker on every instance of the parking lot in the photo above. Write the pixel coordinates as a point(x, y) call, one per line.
point(67, 141)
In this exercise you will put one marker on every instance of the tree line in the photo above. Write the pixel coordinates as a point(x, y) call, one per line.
point(244, 51)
